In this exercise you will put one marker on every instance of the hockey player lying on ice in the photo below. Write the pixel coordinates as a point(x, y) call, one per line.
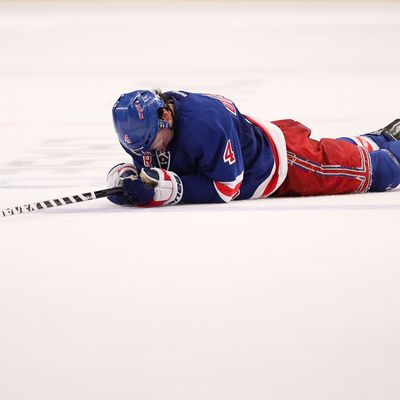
point(199, 148)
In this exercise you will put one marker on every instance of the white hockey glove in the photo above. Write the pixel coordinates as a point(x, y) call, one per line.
point(118, 173)
point(168, 188)
point(115, 178)
point(156, 187)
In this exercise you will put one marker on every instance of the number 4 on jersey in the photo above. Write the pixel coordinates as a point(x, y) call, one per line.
point(229, 155)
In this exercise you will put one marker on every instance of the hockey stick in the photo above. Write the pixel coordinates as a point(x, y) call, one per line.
point(62, 201)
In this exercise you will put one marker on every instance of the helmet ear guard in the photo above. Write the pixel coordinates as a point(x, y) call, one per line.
point(163, 124)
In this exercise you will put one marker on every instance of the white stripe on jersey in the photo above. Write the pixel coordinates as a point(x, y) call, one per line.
point(280, 144)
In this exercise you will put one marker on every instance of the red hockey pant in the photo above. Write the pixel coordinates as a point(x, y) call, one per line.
point(324, 167)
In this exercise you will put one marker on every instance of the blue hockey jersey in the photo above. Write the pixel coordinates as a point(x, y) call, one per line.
point(219, 153)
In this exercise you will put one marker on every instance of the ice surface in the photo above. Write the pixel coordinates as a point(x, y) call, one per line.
point(270, 299)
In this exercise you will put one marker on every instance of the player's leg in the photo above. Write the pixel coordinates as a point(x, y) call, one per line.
point(384, 148)
point(324, 167)
point(332, 166)
point(385, 167)
point(376, 140)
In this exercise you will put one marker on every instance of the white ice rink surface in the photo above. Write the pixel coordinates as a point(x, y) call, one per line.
point(281, 299)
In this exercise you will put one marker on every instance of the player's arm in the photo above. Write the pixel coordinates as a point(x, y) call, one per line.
point(158, 187)
point(220, 165)
point(220, 171)
point(220, 174)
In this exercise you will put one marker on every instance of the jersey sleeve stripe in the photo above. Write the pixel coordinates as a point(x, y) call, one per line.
point(228, 190)
point(278, 145)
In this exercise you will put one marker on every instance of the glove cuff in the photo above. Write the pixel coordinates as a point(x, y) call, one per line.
point(177, 192)
point(168, 187)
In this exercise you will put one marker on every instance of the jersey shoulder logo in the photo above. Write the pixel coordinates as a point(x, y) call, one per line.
point(226, 102)
point(229, 155)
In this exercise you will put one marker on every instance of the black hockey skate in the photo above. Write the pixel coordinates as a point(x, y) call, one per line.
point(391, 131)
